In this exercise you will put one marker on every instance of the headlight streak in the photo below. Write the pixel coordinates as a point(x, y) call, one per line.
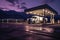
point(43, 29)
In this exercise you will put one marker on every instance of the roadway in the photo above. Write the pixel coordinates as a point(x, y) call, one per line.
point(17, 31)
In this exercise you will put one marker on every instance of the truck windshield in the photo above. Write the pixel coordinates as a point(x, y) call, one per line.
point(33, 17)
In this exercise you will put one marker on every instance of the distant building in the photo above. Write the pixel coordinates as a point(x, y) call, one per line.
point(43, 10)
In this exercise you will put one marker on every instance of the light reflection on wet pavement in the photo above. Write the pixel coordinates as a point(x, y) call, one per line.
point(17, 32)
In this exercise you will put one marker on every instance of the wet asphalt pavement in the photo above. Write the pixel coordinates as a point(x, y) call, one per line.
point(17, 32)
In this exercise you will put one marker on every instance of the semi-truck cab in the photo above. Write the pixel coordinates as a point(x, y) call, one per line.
point(37, 19)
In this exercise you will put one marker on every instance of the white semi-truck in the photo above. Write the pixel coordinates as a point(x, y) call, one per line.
point(37, 19)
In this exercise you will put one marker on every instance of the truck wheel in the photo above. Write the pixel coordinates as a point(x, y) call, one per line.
point(29, 21)
point(33, 22)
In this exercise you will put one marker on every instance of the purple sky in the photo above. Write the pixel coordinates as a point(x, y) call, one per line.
point(8, 5)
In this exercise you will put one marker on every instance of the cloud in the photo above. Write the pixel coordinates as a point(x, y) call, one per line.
point(13, 1)
point(48, 1)
point(6, 6)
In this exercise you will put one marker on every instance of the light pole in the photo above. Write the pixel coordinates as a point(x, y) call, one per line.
point(44, 16)
point(52, 18)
